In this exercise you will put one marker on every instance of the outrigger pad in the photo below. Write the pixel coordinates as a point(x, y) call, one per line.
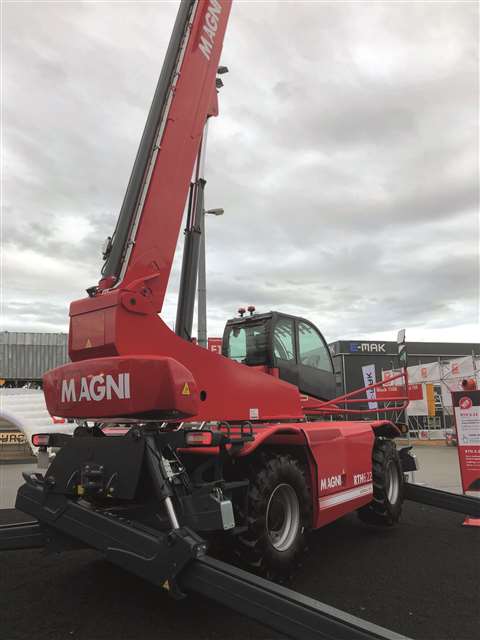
point(155, 555)
point(22, 535)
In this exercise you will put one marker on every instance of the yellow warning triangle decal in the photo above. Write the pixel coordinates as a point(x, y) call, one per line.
point(186, 389)
point(88, 344)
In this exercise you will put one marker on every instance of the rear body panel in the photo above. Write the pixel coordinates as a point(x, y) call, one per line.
point(221, 388)
point(343, 454)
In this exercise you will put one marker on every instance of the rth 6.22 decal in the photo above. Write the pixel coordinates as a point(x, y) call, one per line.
point(362, 478)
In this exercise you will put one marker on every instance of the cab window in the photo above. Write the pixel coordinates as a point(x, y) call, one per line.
point(237, 344)
point(248, 344)
point(313, 352)
point(283, 340)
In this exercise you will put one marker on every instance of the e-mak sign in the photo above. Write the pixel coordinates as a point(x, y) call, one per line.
point(367, 347)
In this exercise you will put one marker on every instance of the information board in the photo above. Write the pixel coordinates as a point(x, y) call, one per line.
point(467, 422)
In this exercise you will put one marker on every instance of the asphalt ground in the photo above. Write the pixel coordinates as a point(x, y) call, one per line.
point(420, 578)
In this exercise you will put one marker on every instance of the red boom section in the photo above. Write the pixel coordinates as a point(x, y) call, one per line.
point(192, 98)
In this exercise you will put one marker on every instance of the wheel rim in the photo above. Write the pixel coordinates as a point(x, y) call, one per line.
point(392, 482)
point(283, 517)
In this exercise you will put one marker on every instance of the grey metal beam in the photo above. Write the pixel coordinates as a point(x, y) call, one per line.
point(23, 535)
point(188, 276)
point(443, 499)
point(287, 612)
point(202, 288)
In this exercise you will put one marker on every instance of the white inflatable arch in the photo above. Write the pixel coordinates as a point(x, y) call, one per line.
point(25, 410)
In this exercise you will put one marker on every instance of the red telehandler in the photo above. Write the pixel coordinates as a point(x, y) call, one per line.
point(250, 447)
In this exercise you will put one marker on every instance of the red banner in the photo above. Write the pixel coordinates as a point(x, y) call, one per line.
point(415, 392)
point(467, 422)
point(215, 345)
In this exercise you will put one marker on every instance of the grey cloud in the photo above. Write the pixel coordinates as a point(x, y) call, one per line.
point(345, 157)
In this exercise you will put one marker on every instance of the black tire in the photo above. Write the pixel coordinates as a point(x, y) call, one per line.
point(278, 517)
point(387, 476)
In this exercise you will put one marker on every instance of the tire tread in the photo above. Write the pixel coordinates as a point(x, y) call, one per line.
point(253, 547)
point(380, 511)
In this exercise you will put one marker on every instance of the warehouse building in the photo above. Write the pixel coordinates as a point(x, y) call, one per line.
point(349, 356)
point(24, 357)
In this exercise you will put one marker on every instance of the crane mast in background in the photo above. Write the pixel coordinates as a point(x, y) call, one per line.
point(191, 247)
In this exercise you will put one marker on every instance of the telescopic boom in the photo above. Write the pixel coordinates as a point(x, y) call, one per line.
point(147, 230)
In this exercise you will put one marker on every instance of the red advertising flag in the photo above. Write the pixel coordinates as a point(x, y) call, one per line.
point(391, 392)
point(467, 422)
point(415, 392)
point(215, 345)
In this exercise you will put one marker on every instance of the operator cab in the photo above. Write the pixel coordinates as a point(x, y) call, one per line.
point(292, 345)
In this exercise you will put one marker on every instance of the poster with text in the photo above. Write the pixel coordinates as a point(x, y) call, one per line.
point(467, 422)
point(369, 378)
point(215, 345)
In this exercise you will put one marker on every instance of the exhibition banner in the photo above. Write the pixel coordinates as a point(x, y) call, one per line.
point(12, 438)
point(369, 377)
point(422, 400)
point(392, 390)
point(420, 395)
point(453, 372)
point(467, 422)
point(421, 373)
point(215, 345)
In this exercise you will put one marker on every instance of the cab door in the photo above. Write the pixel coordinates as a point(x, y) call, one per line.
point(284, 348)
point(315, 367)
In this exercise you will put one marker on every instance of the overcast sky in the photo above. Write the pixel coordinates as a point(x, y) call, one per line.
point(345, 157)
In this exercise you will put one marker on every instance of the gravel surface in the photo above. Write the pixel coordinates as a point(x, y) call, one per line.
point(419, 579)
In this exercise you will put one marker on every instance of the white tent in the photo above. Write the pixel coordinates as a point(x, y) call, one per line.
point(25, 410)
